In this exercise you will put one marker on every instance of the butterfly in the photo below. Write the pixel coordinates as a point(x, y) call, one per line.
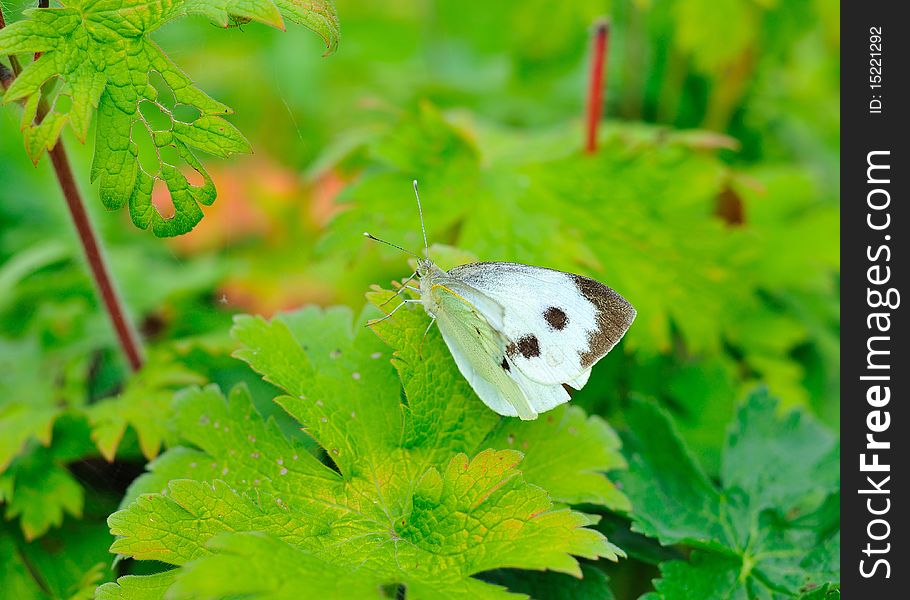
point(519, 334)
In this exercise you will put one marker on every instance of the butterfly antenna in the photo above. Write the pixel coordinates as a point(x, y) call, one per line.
point(426, 246)
point(376, 239)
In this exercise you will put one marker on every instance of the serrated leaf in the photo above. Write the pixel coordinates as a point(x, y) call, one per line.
point(102, 58)
point(27, 407)
point(144, 405)
point(38, 492)
point(37, 488)
point(566, 453)
point(777, 498)
point(137, 587)
point(302, 502)
point(316, 15)
point(238, 562)
point(407, 504)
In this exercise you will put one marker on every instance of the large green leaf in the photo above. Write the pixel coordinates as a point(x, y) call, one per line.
point(770, 530)
point(427, 492)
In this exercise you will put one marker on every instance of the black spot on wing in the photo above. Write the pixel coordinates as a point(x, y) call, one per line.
point(613, 315)
point(556, 318)
point(527, 346)
point(505, 365)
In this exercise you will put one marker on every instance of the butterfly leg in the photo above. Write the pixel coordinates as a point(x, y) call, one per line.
point(401, 289)
point(394, 310)
point(425, 333)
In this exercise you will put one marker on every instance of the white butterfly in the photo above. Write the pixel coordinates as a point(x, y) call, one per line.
point(516, 332)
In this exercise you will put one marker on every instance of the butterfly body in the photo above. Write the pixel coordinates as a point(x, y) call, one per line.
point(519, 333)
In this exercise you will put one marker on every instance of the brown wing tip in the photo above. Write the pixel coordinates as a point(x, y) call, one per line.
point(613, 314)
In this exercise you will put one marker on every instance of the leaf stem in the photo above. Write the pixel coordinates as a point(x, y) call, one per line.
point(126, 335)
point(596, 84)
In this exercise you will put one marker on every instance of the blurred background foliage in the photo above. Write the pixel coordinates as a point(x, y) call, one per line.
point(712, 205)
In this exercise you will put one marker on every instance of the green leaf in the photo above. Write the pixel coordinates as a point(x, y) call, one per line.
point(39, 492)
point(239, 561)
point(27, 400)
point(15, 579)
point(778, 496)
point(825, 592)
point(69, 563)
point(656, 193)
point(318, 16)
point(407, 505)
point(38, 488)
point(144, 405)
point(555, 586)
point(137, 587)
point(566, 453)
point(716, 33)
point(102, 59)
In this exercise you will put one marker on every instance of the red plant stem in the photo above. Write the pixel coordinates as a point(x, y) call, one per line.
point(126, 335)
point(596, 84)
point(129, 341)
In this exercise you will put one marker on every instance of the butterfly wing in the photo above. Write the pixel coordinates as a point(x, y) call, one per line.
point(479, 350)
point(556, 325)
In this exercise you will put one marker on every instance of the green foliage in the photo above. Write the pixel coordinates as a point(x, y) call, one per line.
point(27, 403)
point(548, 208)
point(593, 585)
point(144, 405)
point(723, 237)
point(771, 530)
point(427, 492)
point(39, 490)
point(721, 307)
point(69, 563)
point(101, 58)
point(484, 191)
point(35, 484)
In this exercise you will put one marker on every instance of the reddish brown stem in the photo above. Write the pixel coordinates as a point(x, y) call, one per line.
point(596, 84)
point(129, 342)
point(127, 337)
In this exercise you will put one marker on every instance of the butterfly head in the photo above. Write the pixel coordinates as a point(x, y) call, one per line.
point(425, 266)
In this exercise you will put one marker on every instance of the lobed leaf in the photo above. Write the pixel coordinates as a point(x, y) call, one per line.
point(778, 497)
point(240, 560)
point(144, 405)
point(39, 492)
point(98, 56)
point(407, 503)
point(38, 489)
point(27, 407)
